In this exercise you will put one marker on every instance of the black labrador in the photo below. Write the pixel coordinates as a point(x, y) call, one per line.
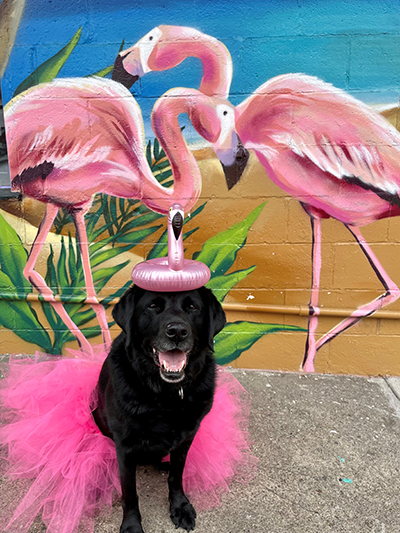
point(156, 386)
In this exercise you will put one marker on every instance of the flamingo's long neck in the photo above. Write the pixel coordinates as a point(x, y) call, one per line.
point(186, 174)
point(217, 66)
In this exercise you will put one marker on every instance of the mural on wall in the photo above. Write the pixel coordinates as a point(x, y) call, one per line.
point(333, 153)
point(70, 139)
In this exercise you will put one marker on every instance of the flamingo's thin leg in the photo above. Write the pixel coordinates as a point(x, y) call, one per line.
point(39, 283)
point(308, 362)
point(91, 292)
point(391, 294)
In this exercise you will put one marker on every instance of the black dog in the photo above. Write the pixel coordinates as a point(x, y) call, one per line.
point(156, 386)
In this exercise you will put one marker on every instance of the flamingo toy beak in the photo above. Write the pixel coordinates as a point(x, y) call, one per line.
point(177, 223)
point(233, 160)
point(122, 75)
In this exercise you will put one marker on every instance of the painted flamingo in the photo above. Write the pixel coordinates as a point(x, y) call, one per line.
point(330, 151)
point(335, 155)
point(73, 138)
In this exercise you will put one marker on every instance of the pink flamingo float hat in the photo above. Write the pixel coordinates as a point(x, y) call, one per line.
point(172, 273)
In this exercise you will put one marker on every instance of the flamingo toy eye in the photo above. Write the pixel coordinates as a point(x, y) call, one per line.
point(150, 38)
point(225, 113)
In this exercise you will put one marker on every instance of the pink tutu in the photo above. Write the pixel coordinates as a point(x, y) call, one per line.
point(50, 440)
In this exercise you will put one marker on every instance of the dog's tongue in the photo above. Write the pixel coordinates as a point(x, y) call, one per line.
point(173, 360)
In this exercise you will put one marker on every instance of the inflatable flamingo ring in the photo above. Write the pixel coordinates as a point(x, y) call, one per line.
point(172, 273)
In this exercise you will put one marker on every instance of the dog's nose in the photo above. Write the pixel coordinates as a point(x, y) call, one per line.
point(176, 331)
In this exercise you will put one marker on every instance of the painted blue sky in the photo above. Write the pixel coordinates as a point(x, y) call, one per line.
point(353, 44)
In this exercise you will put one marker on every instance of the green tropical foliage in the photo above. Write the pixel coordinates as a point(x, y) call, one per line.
point(237, 337)
point(219, 253)
point(114, 225)
point(48, 70)
point(16, 313)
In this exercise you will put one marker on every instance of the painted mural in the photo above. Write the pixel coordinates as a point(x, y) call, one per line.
point(100, 152)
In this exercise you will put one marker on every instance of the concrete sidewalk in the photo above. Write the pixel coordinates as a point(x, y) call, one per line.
point(329, 461)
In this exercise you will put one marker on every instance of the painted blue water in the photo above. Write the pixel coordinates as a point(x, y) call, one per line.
point(354, 45)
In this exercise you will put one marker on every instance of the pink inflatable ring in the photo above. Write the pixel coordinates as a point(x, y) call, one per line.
point(172, 273)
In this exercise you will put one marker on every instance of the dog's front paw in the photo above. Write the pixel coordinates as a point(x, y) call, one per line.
point(131, 529)
point(131, 526)
point(183, 514)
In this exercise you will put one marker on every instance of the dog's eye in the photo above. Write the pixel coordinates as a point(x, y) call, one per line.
point(192, 307)
point(153, 306)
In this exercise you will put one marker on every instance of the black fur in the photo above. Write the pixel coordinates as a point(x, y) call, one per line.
point(146, 416)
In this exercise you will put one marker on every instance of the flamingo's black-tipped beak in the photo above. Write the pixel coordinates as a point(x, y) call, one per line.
point(121, 75)
point(177, 224)
point(234, 170)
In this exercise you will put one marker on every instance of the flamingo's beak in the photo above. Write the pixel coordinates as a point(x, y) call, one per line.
point(126, 70)
point(233, 160)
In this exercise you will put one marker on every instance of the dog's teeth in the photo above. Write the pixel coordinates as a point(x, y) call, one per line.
point(165, 367)
point(169, 370)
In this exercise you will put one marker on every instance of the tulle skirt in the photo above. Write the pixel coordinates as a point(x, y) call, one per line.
point(50, 440)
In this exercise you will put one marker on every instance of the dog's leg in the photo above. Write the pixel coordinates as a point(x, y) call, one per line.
point(182, 511)
point(131, 522)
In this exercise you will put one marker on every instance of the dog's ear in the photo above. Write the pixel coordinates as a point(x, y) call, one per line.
point(217, 318)
point(123, 311)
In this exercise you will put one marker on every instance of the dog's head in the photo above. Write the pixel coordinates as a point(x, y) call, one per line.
point(172, 331)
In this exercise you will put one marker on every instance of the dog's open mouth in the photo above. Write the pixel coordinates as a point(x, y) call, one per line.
point(172, 364)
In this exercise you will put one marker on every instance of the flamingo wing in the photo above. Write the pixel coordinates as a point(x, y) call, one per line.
point(361, 164)
point(319, 123)
point(69, 124)
point(352, 145)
